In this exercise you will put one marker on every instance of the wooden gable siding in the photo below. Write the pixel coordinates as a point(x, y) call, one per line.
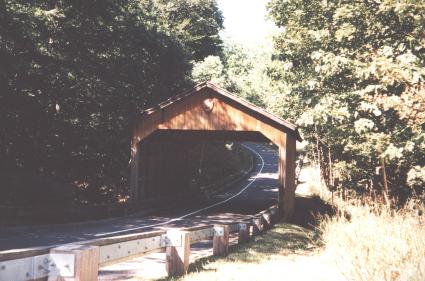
point(190, 115)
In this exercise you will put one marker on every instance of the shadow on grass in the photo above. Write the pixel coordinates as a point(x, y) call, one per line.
point(308, 211)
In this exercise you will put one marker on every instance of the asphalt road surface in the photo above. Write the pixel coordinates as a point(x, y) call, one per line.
point(244, 199)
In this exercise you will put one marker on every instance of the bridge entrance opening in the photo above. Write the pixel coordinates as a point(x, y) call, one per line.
point(163, 135)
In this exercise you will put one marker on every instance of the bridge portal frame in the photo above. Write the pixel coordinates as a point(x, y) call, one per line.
point(212, 111)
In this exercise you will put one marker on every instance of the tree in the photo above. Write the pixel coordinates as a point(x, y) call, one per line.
point(239, 70)
point(353, 76)
point(196, 23)
point(72, 76)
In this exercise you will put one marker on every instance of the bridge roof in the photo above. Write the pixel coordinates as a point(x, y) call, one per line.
point(226, 96)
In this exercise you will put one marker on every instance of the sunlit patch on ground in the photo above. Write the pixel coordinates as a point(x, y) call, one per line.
point(273, 176)
point(287, 252)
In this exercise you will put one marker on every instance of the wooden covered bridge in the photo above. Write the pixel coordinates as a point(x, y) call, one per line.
point(206, 113)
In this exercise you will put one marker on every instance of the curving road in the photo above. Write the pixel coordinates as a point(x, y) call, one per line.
point(243, 200)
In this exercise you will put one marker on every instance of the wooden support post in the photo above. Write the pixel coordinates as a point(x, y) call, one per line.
point(148, 161)
point(274, 212)
point(154, 159)
point(281, 180)
point(86, 263)
point(287, 151)
point(221, 240)
point(243, 235)
point(142, 171)
point(257, 225)
point(177, 254)
point(267, 220)
point(134, 173)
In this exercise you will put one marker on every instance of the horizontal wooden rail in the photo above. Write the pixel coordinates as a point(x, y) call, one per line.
point(80, 261)
point(203, 233)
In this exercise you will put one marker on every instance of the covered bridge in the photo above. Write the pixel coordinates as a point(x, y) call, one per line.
point(208, 112)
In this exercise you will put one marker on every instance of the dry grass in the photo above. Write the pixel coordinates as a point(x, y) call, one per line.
point(376, 242)
point(364, 241)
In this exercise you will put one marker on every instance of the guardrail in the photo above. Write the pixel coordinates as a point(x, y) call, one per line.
point(81, 261)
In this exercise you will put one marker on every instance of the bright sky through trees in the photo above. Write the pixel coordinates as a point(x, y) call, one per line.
point(245, 21)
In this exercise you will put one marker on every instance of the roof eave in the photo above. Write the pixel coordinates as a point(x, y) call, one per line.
point(286, 124)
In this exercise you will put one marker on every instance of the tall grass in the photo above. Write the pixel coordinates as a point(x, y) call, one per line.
point(365, 241)
point(375, 242)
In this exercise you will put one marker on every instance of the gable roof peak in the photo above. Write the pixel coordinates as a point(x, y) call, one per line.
point(232, 97)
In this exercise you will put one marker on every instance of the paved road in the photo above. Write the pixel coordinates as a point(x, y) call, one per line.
point(251, 196)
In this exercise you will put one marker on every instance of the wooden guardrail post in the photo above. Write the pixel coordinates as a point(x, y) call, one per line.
point(274, 215)
point(85, 267)
point(243, 235)
point(257, 225)
point(177, 252)
point(221, 240)
point(267, 220)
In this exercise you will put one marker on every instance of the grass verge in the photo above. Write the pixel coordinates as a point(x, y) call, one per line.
point(376, 242)
point(363, 241)
point(267, 257)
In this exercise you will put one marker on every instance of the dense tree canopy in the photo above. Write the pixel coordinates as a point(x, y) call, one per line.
point(196, 23)
point(239, 70)
point(352, 75)
point(73, 73)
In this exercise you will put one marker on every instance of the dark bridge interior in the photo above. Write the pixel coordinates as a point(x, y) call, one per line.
point(171, 164)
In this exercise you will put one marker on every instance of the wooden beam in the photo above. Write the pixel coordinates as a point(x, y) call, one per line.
point(287, 151)
point(199, 135)
point(143, 164)
point(134, 173)
point(289, 194)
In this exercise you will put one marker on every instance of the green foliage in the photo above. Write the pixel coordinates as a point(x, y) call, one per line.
point(239, 70)
point(210, 69)
point(352, 76)
point(196, 23)
point(73, 74)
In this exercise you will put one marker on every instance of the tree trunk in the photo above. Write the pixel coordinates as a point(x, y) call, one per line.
point(384, 178)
